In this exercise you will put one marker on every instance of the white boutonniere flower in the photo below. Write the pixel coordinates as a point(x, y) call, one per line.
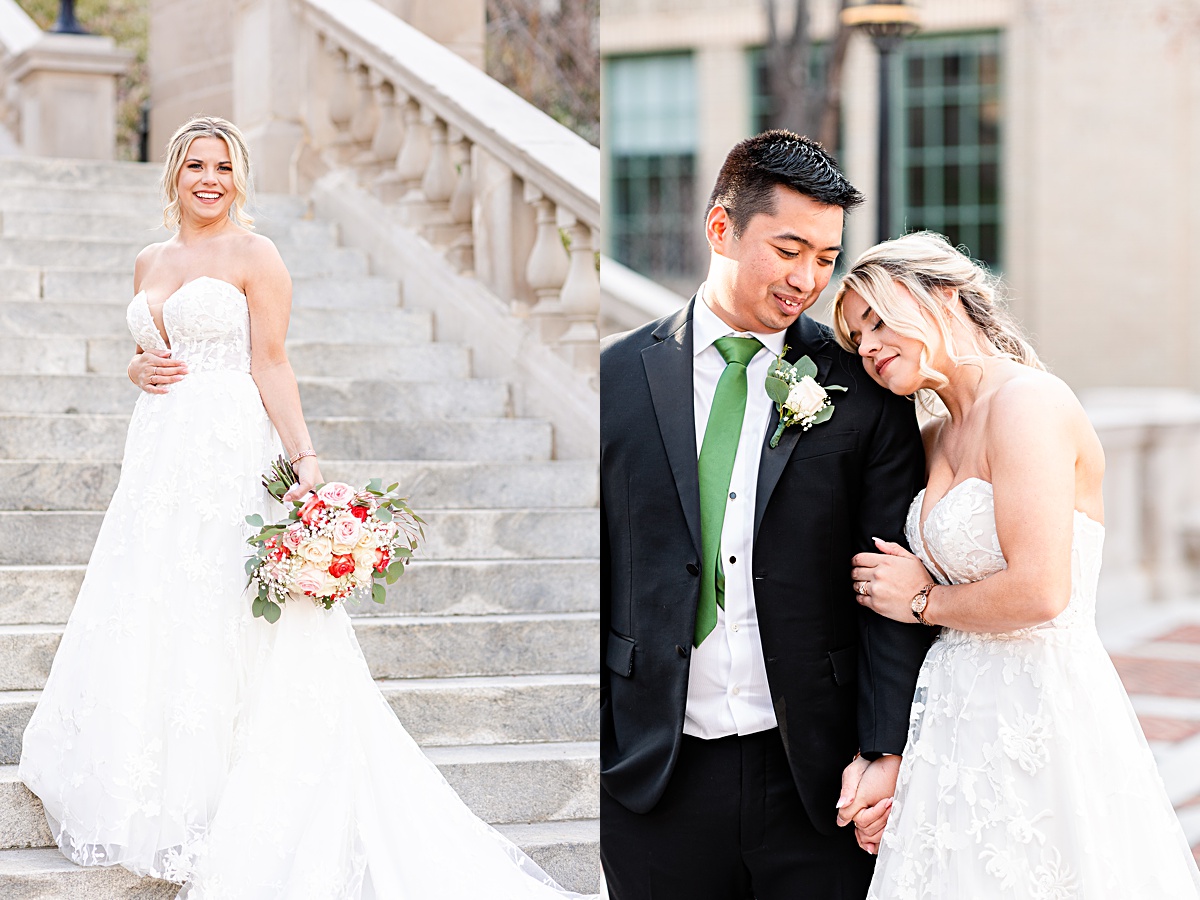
point(799, 398)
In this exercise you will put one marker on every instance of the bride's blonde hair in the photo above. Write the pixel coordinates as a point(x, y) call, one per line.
point(934, 273)
point(239, 158)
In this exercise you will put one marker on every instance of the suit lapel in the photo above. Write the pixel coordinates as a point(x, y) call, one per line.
point(668, 366)
point(804, 338)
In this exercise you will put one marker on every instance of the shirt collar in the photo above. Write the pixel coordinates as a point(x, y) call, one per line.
point(707, 326)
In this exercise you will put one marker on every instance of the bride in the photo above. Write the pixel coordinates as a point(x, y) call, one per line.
point(1026, 774)
point(177, 735)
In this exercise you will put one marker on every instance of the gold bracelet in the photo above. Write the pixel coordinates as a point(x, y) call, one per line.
point(299, 456)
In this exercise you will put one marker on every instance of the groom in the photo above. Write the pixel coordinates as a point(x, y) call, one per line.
point(738, 674)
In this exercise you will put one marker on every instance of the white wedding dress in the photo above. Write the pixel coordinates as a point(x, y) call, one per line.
point(182, 738)
point(1026, 775)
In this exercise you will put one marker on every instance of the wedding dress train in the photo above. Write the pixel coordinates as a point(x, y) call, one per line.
point(1026, 774)
point(182, 738)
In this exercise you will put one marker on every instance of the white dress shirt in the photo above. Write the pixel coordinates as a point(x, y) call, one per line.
point(727, 682)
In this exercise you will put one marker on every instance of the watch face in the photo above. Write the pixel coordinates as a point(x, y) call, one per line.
point(919, 603)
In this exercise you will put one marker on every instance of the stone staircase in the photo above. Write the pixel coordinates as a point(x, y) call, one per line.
point(486, 649)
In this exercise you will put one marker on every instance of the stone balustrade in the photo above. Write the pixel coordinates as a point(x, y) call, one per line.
point(1151, 439)
point(508, 195)
point(57, 91)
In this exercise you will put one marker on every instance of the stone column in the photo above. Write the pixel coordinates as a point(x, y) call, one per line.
point(67, 89)
point(269, 85)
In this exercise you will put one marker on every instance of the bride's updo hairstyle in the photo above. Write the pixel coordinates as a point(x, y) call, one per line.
point(934, 273)
point(239, 158)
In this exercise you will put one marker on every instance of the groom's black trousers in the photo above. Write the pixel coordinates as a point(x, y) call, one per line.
point(729, 827)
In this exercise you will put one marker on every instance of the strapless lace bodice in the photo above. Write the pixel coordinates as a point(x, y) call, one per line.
point(207, 321)
point(960, 545)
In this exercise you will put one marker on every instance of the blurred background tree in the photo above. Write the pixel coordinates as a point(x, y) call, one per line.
point(128, 23)
point(547, 52)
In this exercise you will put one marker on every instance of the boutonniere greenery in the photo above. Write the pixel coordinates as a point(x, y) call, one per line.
point(798, 397)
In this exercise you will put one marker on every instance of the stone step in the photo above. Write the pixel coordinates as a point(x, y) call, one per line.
point(46, 593)
point(110, 356)
point(102, 437)
point(120, 254)
point(78, 173)
point(58, 320)
point(108, 284)
point(134, 200)
point(501, 784)
point(73, 484)
point(394, 646)
point(70, 223)
point(435, 711)
point(67, 537)
point(321, 397)
point(569, 852)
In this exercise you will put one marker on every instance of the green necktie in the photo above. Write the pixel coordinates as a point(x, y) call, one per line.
point(715, 466)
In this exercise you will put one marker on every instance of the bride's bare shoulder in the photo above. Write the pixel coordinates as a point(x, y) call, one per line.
point(145, 261)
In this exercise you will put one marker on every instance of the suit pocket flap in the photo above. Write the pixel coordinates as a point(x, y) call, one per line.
point(619, 657)
point(845, 666)
point(813, 444)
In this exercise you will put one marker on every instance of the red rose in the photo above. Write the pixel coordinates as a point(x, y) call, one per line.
point(382, 558)
point(311, 508)
point(360, 513)
point(341, 565)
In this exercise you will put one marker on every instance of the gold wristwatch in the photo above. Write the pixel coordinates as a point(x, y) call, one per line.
point(919, 603)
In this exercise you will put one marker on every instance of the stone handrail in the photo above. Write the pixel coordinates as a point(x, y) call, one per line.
point(498, 186)
point(628, 299)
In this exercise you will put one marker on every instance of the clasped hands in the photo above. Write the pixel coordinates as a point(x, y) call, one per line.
point(866, 798)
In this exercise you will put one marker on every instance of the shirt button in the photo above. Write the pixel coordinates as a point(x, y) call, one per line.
point(733, 559)
point(736, 691)
point(735, 626)
point(733, 495)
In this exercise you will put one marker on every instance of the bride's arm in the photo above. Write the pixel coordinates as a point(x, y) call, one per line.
point(269, 295)
point(1034, 436)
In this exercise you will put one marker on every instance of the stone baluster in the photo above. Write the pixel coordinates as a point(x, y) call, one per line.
point(412, 160)
point(365, 117)
point(546, 268)
point(341, 95)
point(461, 252)
point(390, 132)
point(437, 187)
point(580, 300)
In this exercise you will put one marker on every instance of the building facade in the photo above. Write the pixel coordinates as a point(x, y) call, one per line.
point(1054, 139)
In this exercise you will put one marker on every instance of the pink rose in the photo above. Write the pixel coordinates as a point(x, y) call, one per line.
point(337, 494)
point(310, 580)
point(314, 505)
point(292, 537)
point(346, 531)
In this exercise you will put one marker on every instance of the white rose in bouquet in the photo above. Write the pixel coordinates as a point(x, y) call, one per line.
point(318, 550)
point(806, 397)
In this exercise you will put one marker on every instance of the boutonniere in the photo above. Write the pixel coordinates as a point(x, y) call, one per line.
point(798, 397)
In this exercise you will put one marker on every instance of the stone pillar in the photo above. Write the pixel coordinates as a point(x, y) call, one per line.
point(269, 86)
point(67, 89)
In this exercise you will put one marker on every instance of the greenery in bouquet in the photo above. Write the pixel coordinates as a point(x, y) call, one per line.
point(339, 542)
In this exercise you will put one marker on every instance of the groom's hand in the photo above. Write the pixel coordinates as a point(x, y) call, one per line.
point(867, 789)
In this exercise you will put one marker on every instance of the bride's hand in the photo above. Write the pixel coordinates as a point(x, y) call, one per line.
point(886, 582)
point(152, 370)
point(308, 475)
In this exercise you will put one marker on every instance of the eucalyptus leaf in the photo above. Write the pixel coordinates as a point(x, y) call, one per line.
point(378, 593)
point(383, 514)
point(258, 606)
point(393, 487)
point(777, 389)
point(805, 367)
point(823, 416)
point(256, 520)
point(375, 485)
point(251, 565)
point(271, 612)
point(403, 551)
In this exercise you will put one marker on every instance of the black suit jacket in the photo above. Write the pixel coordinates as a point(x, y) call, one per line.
point(841, 678)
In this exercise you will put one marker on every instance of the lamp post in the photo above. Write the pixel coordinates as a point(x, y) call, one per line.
point(887, 24)
point(67, 23)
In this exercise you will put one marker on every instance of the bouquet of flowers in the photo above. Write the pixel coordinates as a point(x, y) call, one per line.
point(334, 544)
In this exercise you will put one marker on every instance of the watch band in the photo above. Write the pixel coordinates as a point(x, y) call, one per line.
point(919, 602)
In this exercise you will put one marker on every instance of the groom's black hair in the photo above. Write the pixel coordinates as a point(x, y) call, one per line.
point(746, 183)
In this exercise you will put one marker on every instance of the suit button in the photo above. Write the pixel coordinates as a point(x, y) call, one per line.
point(679, 649)
point(692, 569)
